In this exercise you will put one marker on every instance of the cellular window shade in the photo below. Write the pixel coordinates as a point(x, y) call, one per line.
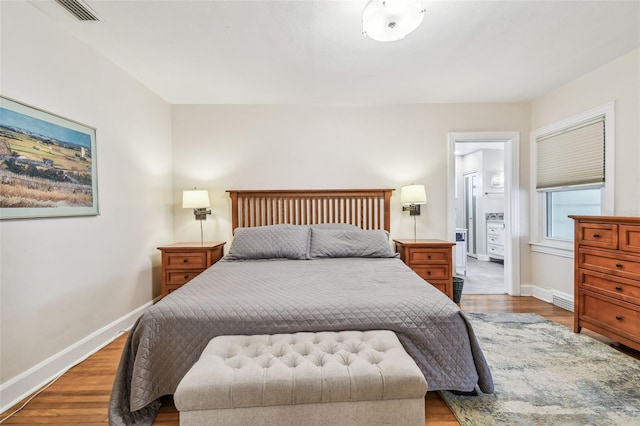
point(574, 156)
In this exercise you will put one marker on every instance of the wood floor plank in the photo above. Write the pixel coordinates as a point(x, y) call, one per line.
point(80, 396)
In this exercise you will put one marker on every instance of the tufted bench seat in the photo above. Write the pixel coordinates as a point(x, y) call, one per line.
point(345, 378)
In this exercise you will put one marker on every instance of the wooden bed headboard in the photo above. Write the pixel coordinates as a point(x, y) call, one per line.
point(365, 208)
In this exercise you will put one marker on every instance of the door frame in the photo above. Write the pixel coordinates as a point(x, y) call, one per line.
point(511, 142)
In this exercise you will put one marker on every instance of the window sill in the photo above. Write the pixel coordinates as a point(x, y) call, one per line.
point(554, 249)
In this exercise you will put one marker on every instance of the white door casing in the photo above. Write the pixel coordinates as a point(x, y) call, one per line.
point(511, 142)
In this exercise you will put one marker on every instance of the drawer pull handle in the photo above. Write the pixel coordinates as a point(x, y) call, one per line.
point(618, 288)
point(618, 265)
point(429, 257)
point(185, 260)
point(596, 235)
point(186, 276)
point(619, 318)
point(428, 272)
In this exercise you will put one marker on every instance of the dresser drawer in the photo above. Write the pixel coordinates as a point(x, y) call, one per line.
point(614, 287)
point(622, 265)
point(181, 277)
point(601, 235)
point(190, 260)
point(417, 256)
point(493, 239)
point(619, 317)
point(432, 272)
point(495, 250)
point(630, 238)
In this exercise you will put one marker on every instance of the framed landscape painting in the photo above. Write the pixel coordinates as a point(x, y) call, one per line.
point(47, 164)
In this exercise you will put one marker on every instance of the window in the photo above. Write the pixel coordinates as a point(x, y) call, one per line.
point(561, 204)
point(572, 167)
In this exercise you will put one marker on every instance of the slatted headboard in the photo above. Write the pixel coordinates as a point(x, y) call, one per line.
point(366, 208)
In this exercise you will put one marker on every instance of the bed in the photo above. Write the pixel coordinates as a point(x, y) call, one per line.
point(300, 261)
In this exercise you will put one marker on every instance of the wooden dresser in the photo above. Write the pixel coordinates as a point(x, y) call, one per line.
point(431, 259)
point(181, 262)
point(607, 277)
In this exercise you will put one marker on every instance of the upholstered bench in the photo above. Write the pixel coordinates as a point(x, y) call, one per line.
point(341, 378)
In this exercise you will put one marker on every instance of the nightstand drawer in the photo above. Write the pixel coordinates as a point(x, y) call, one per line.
point(441, 285)
point(189, 260)
point(181, 262)
point(431, 260)
point(171, 288)
point(417, 256)
point(432, 272)
point(181, 277)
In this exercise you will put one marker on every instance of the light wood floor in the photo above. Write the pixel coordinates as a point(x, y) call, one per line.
point(82, 394)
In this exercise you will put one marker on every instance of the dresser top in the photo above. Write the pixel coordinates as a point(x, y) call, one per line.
point(206, 245)
point(612, 219)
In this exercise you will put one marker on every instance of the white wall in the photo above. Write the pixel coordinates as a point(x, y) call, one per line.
point(63, 279)
point(492, 162)
point(297, 147)
point(617, 81)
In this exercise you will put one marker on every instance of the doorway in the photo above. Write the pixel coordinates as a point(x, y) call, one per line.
point(504, 190)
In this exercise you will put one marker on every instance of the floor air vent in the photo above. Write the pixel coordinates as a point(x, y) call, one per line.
point(78, 9)
point(562, 303)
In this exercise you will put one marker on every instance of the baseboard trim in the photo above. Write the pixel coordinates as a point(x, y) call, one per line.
point(555, 297)
point(23, 385)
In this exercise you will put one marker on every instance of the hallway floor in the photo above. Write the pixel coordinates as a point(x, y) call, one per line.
point(483, 277)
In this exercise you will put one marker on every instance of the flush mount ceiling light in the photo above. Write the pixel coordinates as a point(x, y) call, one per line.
point(391, 20)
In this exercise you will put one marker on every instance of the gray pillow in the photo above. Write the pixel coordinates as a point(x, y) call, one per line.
point(350, 243)
point(270, 242)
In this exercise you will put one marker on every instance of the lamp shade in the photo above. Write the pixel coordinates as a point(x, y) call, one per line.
point(413, 194)
point(391, 20)
point(195, 199)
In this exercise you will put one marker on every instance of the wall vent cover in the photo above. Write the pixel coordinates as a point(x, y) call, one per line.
point(563, 303)
point(78, 9)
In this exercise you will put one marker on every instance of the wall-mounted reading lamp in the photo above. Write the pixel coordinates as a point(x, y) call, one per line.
point(198, 200)
point(411, 197)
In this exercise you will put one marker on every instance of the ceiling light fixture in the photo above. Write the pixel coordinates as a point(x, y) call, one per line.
point(391, 20)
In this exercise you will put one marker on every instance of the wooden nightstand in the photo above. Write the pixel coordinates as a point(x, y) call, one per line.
point(181, 262)
point(431, 259)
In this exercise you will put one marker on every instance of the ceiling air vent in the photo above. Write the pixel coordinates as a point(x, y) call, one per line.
point(78, 9)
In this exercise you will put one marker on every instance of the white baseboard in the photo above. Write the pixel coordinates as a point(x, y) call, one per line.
point(483, 258)
point(555, 297)
point(23, 385)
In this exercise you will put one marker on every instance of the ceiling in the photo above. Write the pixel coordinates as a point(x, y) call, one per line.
point(464, 148)
point(313, 52)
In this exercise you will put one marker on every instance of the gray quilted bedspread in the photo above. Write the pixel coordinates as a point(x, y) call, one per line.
point(270, 297)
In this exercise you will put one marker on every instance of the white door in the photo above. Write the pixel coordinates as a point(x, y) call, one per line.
point(470, 211)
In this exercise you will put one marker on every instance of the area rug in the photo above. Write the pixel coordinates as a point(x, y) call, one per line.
point(545, 374)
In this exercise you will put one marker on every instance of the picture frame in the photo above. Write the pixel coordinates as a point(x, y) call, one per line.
point(48, 164)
